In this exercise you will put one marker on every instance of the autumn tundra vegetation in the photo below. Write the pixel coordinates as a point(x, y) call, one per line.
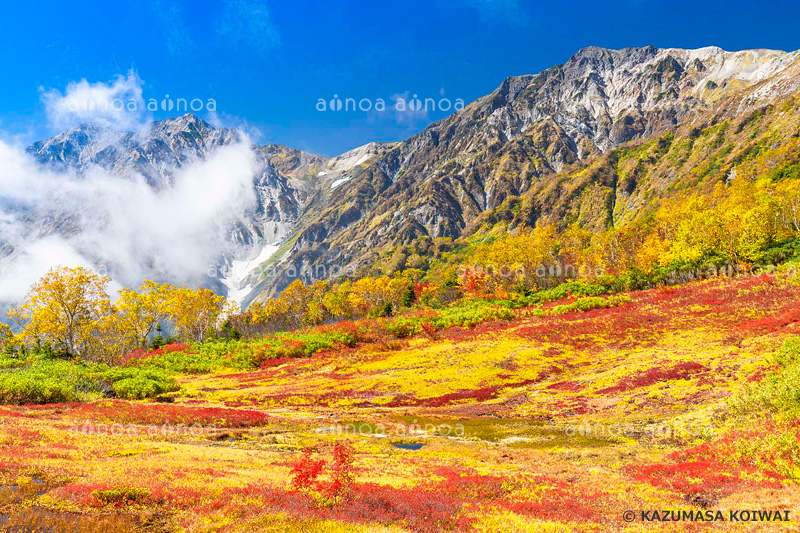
point(540, 378)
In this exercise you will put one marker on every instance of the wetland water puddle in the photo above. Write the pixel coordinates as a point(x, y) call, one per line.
point(408, 446)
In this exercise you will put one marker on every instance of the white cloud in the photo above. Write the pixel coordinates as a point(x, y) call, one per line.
point(119, 224)
point(117, 104)
point(225, 120)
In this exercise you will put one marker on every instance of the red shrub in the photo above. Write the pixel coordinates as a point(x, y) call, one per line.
point(341, 474)
point(421, 289)
point(476, 283)
point(306, 472)
point(429, 330)
point(711, 470)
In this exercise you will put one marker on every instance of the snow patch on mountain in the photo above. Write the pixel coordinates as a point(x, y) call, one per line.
point(357, 156)
point(236, 280)
point(340, 181)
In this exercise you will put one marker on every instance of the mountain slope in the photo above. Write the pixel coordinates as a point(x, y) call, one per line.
point(517, 140)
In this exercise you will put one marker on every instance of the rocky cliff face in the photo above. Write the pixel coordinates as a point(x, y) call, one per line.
point(548, 137)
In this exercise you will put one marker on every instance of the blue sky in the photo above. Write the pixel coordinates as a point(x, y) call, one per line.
point(266, 63)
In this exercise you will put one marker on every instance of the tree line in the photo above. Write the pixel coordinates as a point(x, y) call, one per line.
point(740, 221)
point(69, 312)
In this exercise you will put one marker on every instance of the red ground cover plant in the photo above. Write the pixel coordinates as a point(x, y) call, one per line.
point(761, 373)
point(569, 386)
point(616, 327)
point(772, 324)
point(713, 470)
point(718, 305)
point(479, 395)
point(275, 362)
point(141, 354)
point(449, 500)
point(654, 375)
point(156, 493)
point(702, 482)
point(563, 502)
point(123, 412)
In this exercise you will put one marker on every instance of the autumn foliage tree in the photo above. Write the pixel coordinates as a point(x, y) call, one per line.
point(193, 313)
point(70, 311)
point(65, 309)
point(140, 312)
point(304, 305)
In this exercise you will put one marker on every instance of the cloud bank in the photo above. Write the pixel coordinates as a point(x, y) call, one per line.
point(117, 105)
point(119, 224)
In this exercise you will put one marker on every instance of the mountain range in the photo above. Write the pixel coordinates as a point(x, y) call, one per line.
point(554, 145)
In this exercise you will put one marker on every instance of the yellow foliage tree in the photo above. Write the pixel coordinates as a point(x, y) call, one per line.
point(139, 312)
point(336, 300)
point(315, 311)
point(6, 336)
point(524, 258)
point(194, 313)
point(65, 309)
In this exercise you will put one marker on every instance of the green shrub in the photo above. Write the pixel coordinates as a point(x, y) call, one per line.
point(306, 344)
point(205, 357)
point(587, 304)
point(402, 327)
point(218, 354)
point(779, 392)
point(46, 381)
point(234, 354)
point(136, 388)
point(53, 381)
point(789, 353)
point(26, 387)
point(123, 496)
point(470, 314)
point(182, 363)
point(139, 383)
point(7, 361)
point(577, 288)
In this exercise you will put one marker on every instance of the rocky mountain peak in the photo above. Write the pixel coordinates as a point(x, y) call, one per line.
point(188, 123)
